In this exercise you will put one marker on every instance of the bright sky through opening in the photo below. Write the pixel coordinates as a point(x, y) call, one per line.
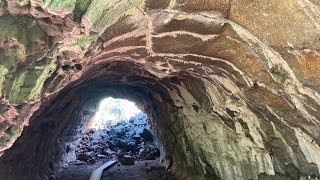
point(112, 111)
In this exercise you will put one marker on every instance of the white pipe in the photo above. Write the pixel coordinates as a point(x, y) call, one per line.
point(97, 173)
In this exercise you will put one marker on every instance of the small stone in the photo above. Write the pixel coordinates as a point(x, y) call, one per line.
point(127, 160)
point(142, 153)
point(136, 137)
point(92, 148)
point(100, 156)
point(120, 134)
point(105, 152)
point(131, 146)
point(92, 161)
point(122, 144)
point(110, 144)
point(146, 135)
point(151, 156)
point(83, 157)
point(120, 154)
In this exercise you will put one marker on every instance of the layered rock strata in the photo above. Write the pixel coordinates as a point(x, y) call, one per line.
point(231, 87)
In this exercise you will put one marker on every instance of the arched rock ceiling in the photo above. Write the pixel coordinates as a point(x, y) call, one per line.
point(263, 56)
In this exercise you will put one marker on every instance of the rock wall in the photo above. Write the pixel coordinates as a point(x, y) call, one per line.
point(232, 87)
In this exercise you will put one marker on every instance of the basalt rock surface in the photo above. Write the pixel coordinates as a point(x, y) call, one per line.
point(231, 87)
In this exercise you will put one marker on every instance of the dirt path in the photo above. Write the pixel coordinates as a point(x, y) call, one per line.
point(142, 170)
point(78, 171)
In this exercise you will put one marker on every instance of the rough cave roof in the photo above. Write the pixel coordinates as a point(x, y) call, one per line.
point(263, 57)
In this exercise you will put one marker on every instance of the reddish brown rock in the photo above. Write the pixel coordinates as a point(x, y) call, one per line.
point(231, 87)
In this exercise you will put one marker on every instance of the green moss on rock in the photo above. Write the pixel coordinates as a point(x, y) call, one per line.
point(4, 125)
point(85, 40)
point(15, 93)
point(55, 83)
point(35, 35)
point(4, 140)
point(3, 72)
point(102, 13)
point(30, 83)
point(10, 29)
point(25, 33)
point(66, 5)
point(80, 8)
point(21, 37)
point(13, 131)
point(41, 77)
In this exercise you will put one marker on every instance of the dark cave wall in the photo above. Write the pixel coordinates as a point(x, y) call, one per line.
point(44, 141)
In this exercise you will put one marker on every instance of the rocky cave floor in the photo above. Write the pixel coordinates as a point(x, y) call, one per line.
point(130, 143)
point(142, 170)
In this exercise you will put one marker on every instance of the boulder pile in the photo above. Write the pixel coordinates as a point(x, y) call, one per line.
point(126, 141)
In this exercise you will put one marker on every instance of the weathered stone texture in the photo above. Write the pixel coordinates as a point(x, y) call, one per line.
point(232, 87)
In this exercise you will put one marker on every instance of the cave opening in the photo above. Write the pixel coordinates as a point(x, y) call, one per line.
point(50, 142)
point(112, 111)
point(118, 130)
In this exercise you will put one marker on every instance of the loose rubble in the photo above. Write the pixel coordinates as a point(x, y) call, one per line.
point(126, 141)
